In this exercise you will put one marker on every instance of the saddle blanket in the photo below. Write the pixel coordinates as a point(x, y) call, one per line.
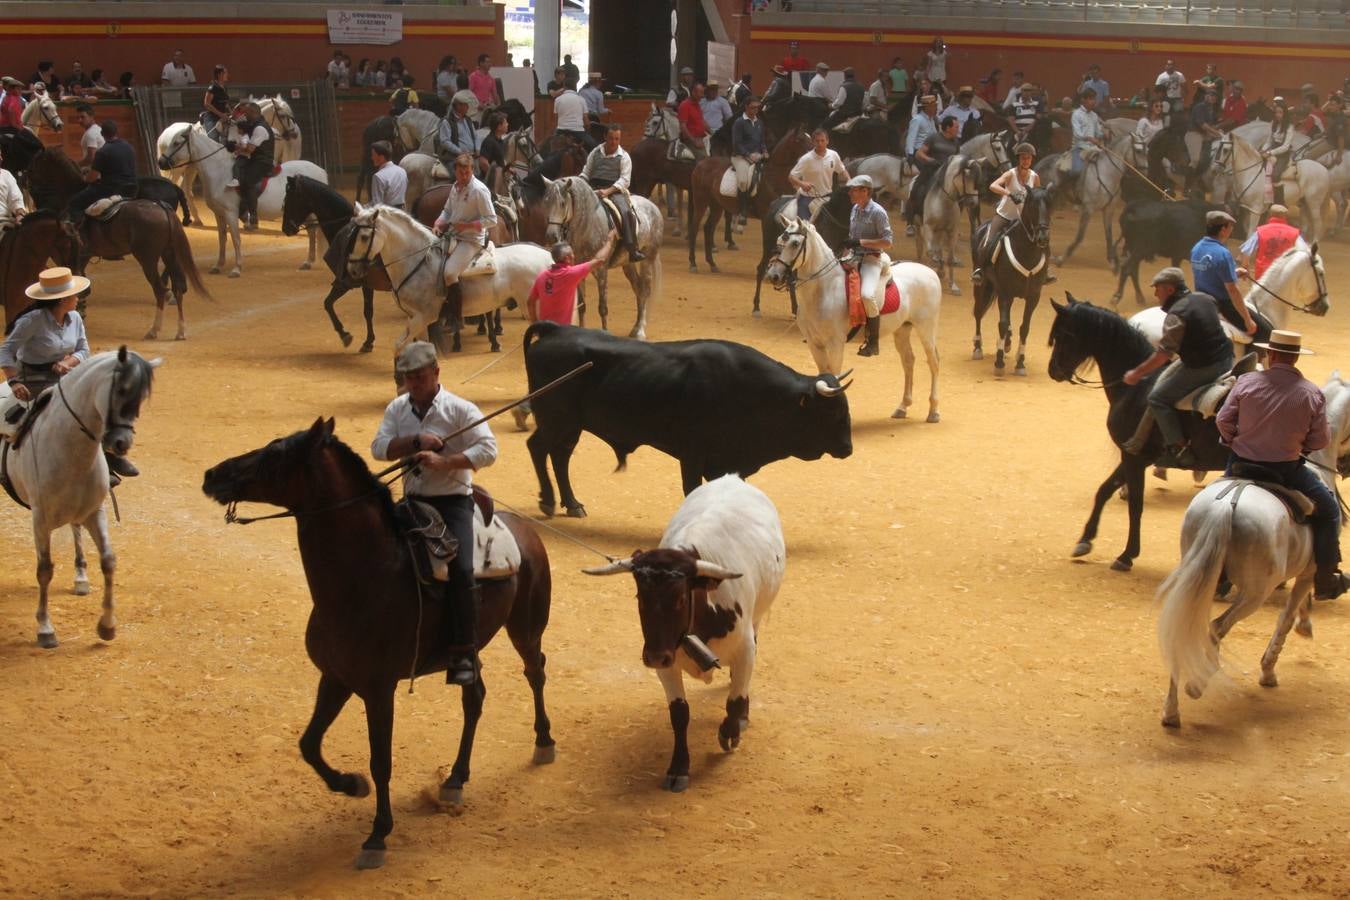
point(1208, 400)
point(495, 551)
point(262, 185)
point(678, 152)
point(728, 186)
point(483, 262)
point(496, 554)
point(106, 208)
point(857, 312)
point(1298, 504)
point(788, 214)
point(846, 126)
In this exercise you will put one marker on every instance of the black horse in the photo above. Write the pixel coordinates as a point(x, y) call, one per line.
point(1084, 332)
point(19, 146)
point(831, 222)
point(54, 178)
point(371, 625)
point(307, 197)
point(798, 112)
point(1015, 266)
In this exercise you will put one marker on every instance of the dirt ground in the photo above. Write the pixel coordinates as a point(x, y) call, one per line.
point(944, 703)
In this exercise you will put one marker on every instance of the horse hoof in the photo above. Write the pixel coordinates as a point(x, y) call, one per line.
point(81, 589)
point(1122, 565)
point(370, 859)
point(1171, 720)
point(548, 509)
point(306, 266)
point(151, 335)
point(180, 336)
point(712, 267)
point(234, 273)
point(367, 347)
point(693, 268)
point(48, 641)
point(676, 784)
point(106, 632)
point(1020, 370)
point(733, 246)
point(1057, 260)
point(451, 796)
point(544, 755)
point(357, 786)
point(900, 413)
point(977, 353)
point(214, 270)
point(1268, 679)
point(576, 512)
point(345, 338)
point(955, 290)
point(1194, 691)
point(1082, 548)
point(933, 418)
point(496, 348)
point(755, 313)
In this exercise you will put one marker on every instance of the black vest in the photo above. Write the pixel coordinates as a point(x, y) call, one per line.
point(853, 98)
point(1205, 342)
point(265, 151)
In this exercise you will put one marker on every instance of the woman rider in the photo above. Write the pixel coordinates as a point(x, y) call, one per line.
point(1012, 186)
point(1278, 146)
point(216, 102)
point(46, 341)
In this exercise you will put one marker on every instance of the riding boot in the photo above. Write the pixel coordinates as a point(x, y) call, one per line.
point(1329, 585)
point(452, 311)
point(873, 336)
point(630, 236)
point(1182, 457)
point(461, 627)
point(742, 215)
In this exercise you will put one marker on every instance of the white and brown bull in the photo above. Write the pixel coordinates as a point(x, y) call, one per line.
point(707, 587)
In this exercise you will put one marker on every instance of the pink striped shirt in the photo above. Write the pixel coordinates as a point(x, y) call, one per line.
point(1275, 415)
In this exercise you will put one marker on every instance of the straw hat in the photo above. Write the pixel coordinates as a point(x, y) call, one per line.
point(965, 89)
point(1284, 342)
point(822, 66)
point(10, 81)
point(55, 283)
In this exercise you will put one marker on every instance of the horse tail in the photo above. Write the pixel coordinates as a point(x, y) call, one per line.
point(181, 200)
point(1188, 645)
point(182, 257)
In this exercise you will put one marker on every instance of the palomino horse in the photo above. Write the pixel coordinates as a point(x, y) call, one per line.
point(24, 252)
point(1248, 537)
point(576, 215)
point(193, 146)
point(1084, 333)
point(1018, 269)
point(824, 318)
point(58, 469)
point(413, 258)
point(40, 113)
point(1240, 179)
point(373, 622)
point(956, 186)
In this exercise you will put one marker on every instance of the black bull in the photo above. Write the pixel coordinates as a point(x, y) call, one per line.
point(716, 406)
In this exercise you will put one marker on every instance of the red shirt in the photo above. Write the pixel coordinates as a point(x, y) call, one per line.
point(1235, 110)
point(1272, 240)
point(556, 291)
point(1314, 123)
point(796, 63)
point(11, 111)
point(691, 119)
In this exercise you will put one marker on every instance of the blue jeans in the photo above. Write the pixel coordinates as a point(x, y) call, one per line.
point(1173, 384)
point(1326, 517)
point(803, 207)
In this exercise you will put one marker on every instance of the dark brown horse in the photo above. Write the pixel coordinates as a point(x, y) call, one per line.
point(149, 232)
point(54, 178)
point(25, 251)
point(705, 193)
point(372, 624)
point(652, 167)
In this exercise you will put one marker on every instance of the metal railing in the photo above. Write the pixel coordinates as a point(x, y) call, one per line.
point(1256, 13)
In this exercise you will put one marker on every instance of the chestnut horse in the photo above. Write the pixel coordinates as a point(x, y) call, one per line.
point(25, 251)
point(373, 624)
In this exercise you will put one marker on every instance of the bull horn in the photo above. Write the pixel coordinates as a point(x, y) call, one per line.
point(825, 390)
point(845, 374)
point(617, 567)
point(712, 570)
point(1059, 307)
point(548, 182)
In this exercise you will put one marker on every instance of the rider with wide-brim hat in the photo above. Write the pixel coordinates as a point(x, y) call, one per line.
point(779, 89)
point(1272, 419)
point(48, 340)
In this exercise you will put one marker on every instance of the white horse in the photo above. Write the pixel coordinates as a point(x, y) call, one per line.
point(184, 174)
point(1295, 281)
point(215, 166)
point(414, 257)
point(39, 113)
point(418, 128)
point(823, 315)
point(1338, 184)
point(663, 125)
point(576, 215)
point(1240, 179)
point(955, 187)
point(990, 151)
point(1099, 188)
point(892, 177)
point(1252, 540)
point(59, 471)
point(279, 117)
point(424, 173)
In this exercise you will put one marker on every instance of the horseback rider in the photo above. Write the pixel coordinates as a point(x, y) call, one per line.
point(1278, 148)
point(1272, 418)
point(46, 341)
point(921, 127)
point(693, 129)
point(608, 170)
point(748, 150)
point(779, 89)
point(1270, 241)
point(930, 158)
point(12, 209)
point(1193, 332)
point(967, 116)
point(456, 134)
point(1087, 132)
point(1334, 137)
point(741, 91)
point(216, 101)
point(869, 234)
point(1012, 186)
point(253, 159)
point(682, 89)
point(468, 215)
point(813, 175)
point(113, 173)
point(848, 101)
point(420, 423)
point(11, 104)
point(403, 96)
point(1216, 273)
point(569, 112)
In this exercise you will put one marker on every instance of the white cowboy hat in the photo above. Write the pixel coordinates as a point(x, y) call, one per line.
point(55, 283)
point(1284, 342)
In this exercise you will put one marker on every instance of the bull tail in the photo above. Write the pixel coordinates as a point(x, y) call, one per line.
point(621, 457)
point(182, 255)
point(537, 331)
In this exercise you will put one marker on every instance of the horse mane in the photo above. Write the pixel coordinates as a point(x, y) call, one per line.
point(1106, 330)
point(400, 215)
point(324, 190)
point(361, 471)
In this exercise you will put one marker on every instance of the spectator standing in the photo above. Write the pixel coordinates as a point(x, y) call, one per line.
point(175, 73)
point(1093, 79)
point(990, 88)
point(1208, 80)
point(362, 78)
point(483, 85)
point(389, 185)
point(1173, 81)
point(125, 82)
point(594, 96)
point(46, 76)
point(446, 81)
point(216, 100)
point(396, 70)
point(338, 72)
point(935, 64)
point(11, 105)
point(570, 70)
point(899, 77)
point(379, 78)
point(1234, 107)
point(794, 61)
point(534, 76)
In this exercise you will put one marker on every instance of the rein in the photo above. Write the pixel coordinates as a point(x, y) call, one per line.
point(792, 267)
point(190, 161)
point(1307, 307)
point(1125, 162)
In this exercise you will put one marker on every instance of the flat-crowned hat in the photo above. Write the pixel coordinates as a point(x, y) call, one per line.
point(927, 98)
point(10, 81)
point(712, 82)
point(1279, 209)
point(1215, 216)
point(417, 355)
point(55, 283)
point(823, 65)
point(779, 70)
point(860, 181)
point(595, 76)
point(1170, 275)
point(1284, 342)
point(686, 71)
point(965, 89)
point(1308, 88)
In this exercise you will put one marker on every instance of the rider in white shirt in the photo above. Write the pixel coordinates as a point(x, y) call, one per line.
point(819, 86)
point(569, 113)
point(813, 175)
point(12, 209)
point(468, 215)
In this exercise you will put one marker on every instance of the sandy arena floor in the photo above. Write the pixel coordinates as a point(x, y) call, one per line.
point(944, 702)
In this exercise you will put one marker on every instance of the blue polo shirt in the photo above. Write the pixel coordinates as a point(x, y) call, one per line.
point(1212, 266)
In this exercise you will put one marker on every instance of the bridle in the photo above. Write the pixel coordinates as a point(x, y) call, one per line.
point(186, 144)
point(524, 148)
point(113, 422)
point(791, 267)
point(964, 194)
point(383, 478)
point(1225, 158)
point(288, 128)
point(1318, 276)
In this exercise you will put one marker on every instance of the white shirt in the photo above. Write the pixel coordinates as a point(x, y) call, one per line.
point(446, 85)
point(389, 185)
point(716, 112)
point(255, 138)
point(337, 71)
point(819, 88)
point(11, 198)
point(876, 96)
point(1148, 129)
point(569, 111)
point(1007, 207)
point(937, 65)
point(595, 99)
point(1013, 93)
point(1086, 124)
point(176, 77)
point(92, 138)
point(472, 203)
point(1175, 81)
point(960, 113)
point(446, 415)
point(818, 171)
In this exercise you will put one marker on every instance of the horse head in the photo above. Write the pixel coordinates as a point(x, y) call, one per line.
point(366, 242)
point(793, 246)
point(291, 213)
point(132, 379)
point(1036, 216)
point(178, 153)
point(1320, 305)
point(560, 206)
point(41, 110)
point(1069, 352)
point(521, 151)
point(274, 473)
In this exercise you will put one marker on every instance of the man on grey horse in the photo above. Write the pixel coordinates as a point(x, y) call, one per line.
point(456, 134)
point(1087, 132)
point(930, 157)
point(608, 170)
point(848, 101)
point(869, 234)
point(468, 215)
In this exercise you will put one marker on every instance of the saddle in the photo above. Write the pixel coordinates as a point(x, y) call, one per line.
point(1244, 475)
point(483, 263)
point(846, 126)
point(262, 185)
point(439, 172)
point(857, 311)
point(104, 210)
point(678, 152)
point(1206, 401)
point(506, 209)
point(496, 554)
